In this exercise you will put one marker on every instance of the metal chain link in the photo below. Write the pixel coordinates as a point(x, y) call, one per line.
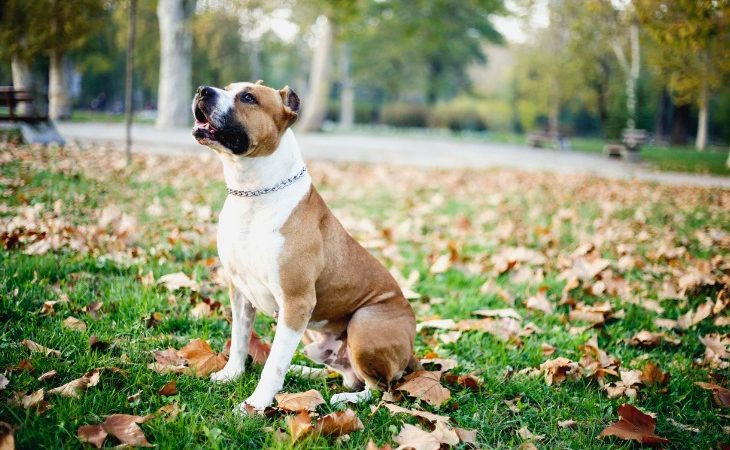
point(282, 184)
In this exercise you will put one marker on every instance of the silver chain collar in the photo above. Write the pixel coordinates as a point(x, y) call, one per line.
point(280, 185)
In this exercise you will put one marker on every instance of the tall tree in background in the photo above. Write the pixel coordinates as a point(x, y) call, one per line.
point(693, 51)
point(175, 91)
point(15, 46)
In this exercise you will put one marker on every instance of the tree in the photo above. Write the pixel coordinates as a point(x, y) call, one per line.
point(692, 51)
point(34, 28)
point(175, 88)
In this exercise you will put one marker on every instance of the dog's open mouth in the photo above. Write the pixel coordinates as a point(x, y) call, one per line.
point(203, 129)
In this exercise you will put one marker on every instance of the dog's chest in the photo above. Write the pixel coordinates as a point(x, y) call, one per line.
point(250, 243)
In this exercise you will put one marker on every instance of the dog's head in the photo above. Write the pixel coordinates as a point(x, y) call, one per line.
point(243, 119)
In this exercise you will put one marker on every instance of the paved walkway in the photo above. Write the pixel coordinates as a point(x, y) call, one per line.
point(426, 151)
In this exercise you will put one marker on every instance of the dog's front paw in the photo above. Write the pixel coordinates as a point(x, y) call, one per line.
point(227, 375)
point(251, 407)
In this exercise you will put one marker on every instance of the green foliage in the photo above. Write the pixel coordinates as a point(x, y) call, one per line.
point(403, 114)
point(460, 114)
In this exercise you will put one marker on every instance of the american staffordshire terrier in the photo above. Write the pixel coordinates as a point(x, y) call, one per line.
point(287, 256)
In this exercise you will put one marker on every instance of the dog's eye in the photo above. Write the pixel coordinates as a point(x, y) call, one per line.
point(246, 97)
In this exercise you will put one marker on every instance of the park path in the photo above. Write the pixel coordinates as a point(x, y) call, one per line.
point(424, 151)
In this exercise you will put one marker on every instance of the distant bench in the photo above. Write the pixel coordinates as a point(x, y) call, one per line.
point(631, 142)
point(544, 139)
point(10, 98)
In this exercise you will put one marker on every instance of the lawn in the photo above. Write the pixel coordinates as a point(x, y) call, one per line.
point(554, 261)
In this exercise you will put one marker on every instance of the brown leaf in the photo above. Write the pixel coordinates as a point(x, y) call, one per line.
point(567, 423)
point(427, 386)
point(3, 382)
point(34, 400)
point(177, 280)
point(540, 302)
point(650, 339)
point(716, 350)
point(299, 401)
point(413, 437)
point(47, 375)
point(395, 409)
point(720, 394)
point(171, 411)
point(24, 365)
point(74, 387)
point(169, 389)
point(35, 347)
point(73, 323)
point(258, 349)
point(634, 424)
point(93, 309)
point(168, 361)
point(96, 344)
point(124, 427)
point(93, 434)
point(299, 426)
point(505, 312)
point(652, 375)
point(559, 369)
point(201, 310)
point(7, 437)
point(692, 318)
point(202, 358)
point(547, 349)
point(466, 436)
point(338, 423)
point(373, 446)
point(468, 381)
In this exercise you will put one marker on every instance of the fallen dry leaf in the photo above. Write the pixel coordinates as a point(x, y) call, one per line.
point(395, 409)
point(125, 428)
point(47, 375)
point(338, 423)
point(177, 280)
point(93, 434)
point(34, 400)
point(634, 424)
point(3, 382)
point(567, 423)
point(559, 369)
point(652, 375)
point(692, 318)
point(7, 437)
point(720, 394)
point(540, 302)
point(202, 358)
point(373, 446)
point(299, 426)
point(528, 435)
point(169, 389)
point(682, 426)
point(299, 401)
point(74, 387)
point(716, 350)
point(427, 386)
point(505, 312)
point(413, 437)
point(628, 385)
point(168, 361)
point(38, 348)
point(258, 349)
point(444, 364)
point(73, 323)
point(96, 344)
point(468, 381)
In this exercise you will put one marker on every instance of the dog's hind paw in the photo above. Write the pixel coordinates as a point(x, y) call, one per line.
point(352, 397)
point(226, 375)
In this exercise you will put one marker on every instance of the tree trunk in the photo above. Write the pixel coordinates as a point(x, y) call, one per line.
point(701, 142)
point(315, 108)
point(435, 69)
point(128, 82)
point(22, 79)
point(59, 103)
point(660, 117)
point(347, 91)
point(175, 89)
point(680, 122)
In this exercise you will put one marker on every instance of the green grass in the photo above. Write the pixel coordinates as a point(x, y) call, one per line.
point(422, 216)
point(673, 159)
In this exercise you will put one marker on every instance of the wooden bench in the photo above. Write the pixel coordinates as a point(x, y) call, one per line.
point(10, 98)
point(631, 142)
point(544, 139)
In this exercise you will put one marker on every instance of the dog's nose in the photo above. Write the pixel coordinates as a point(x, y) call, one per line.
point(205, 91)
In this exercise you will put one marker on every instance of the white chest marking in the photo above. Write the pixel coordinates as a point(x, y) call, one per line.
point(249, 228)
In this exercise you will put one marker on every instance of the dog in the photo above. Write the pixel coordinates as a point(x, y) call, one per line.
point(287, 256)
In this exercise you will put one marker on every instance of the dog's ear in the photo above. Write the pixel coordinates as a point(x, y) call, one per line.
point(290, 99)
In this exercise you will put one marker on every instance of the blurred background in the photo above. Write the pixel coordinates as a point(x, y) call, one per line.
point(521, 71)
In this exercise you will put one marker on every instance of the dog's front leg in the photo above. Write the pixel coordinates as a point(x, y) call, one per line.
point(290, 327)
point(244, 315)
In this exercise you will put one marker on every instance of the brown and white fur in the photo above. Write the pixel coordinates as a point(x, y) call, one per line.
point(287, 256)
